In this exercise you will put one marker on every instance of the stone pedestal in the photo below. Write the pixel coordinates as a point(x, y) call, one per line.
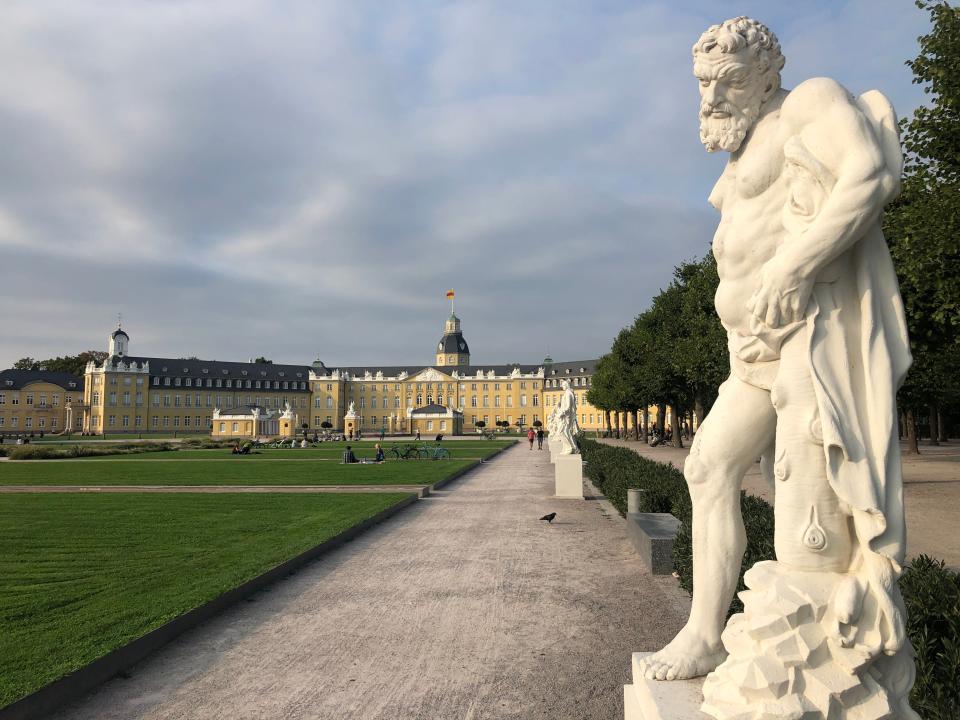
point(568, 474)
point(660, 699)
point(554, 447)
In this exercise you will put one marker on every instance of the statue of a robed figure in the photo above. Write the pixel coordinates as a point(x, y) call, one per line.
point(818, 348)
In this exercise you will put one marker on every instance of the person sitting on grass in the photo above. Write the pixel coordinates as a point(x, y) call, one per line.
point(379, 457)
point(236, 448)
point(348, 457)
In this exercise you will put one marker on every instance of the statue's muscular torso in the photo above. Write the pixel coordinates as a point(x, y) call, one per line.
point(750, 196)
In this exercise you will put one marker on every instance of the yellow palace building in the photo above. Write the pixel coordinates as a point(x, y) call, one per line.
point(142, 395)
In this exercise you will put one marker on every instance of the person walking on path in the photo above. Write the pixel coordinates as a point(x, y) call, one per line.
point(418, 434)
point(539, 438)
point(530, 436)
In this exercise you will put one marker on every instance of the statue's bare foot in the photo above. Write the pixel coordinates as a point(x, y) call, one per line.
point(687, 656)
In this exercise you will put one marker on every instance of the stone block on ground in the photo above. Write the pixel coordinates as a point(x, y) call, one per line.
point(652, 536)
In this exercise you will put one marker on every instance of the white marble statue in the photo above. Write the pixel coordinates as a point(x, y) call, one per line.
point(818, 348)
point(565, 421)
point(350, 410)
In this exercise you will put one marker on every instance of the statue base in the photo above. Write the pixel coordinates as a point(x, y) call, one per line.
point(554, 447)
point(568, 476)
point(790, 657)
point(661, 699)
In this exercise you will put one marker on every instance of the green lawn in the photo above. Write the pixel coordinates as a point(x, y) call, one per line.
point(331, 451)
point(85, 574)
point(231, 470)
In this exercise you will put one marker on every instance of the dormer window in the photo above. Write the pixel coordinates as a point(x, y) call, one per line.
point(225, 371)
point(242, 372)
point(280, 374)
point(186, 370)
point(299, 374)
point(263, 373)
point(205, 371)
point(163, 369)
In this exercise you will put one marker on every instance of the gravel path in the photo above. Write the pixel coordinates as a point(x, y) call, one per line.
point(464, 606)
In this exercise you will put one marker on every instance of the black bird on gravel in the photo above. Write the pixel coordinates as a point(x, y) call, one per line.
point(549, 518)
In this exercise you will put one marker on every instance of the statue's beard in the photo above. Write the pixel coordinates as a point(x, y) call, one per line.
point(726, 133)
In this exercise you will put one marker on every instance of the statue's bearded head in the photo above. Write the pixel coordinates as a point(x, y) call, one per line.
point(738, 64)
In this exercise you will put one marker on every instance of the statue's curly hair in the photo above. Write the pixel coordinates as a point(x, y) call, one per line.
point(742, 32)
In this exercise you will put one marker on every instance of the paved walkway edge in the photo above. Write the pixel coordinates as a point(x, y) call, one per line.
point(78, 683)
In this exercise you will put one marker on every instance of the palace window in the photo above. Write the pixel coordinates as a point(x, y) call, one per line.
point(496, 401)
point(473, 401)
point(536, 400)
point(523, 401)
point(30, 398)
point(3, 399)
point(126, 397)
point(28, 422)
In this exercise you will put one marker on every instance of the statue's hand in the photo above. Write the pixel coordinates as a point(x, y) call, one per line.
point(783, 293)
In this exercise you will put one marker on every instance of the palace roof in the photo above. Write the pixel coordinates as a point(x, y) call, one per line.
point(18, 379)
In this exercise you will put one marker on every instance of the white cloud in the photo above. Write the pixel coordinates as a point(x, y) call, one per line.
point(339, 165)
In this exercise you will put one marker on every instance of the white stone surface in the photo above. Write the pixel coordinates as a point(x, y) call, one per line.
point(568, 476)
point(810, 302)
point(652, 700)
point(554, 446)
point(565, 421)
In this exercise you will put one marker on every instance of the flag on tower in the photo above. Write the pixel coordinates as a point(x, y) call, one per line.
point(449, 294)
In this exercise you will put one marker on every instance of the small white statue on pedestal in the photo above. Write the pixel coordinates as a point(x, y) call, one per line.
point(819, 347)
point(565, 421)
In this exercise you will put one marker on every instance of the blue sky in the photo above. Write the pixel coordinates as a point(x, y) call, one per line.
point(307, 179)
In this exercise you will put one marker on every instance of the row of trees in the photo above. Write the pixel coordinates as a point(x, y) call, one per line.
point(675, 353)
point(73, 364)
point(923, 230)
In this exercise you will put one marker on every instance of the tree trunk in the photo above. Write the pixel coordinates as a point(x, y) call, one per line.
point(616, 417)
point(606, 414)
point(697, 413)
point(677, 424)
point(941, 426)
point(646, 422)
point(911, 423)
point(934, 428)
point(636, 425)
point(902, 425)
point(662, 418)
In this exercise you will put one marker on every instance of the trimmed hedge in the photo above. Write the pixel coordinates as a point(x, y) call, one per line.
point(930, 590)
point(48, 452)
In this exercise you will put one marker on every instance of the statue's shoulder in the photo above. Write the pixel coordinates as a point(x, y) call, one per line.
point(814, 99)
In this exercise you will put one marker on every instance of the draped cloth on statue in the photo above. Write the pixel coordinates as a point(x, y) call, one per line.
point(859, 355)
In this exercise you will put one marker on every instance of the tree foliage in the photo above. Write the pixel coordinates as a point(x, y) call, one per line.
point(923, 225)
point(73, 364)
point(674, 353)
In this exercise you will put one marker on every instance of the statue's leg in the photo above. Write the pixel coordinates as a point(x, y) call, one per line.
point(738, 429)
point(812, 531)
